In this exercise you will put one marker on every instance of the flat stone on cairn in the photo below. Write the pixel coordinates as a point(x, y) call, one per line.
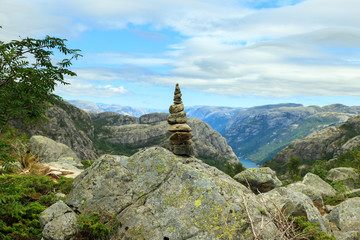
point(180, 139)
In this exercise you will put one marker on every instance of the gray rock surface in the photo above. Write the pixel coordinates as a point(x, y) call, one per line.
point(68, 125)
point(208, 144)
point(318, 185)
point(65, 166)
point(50, 151)
point(153, 118)
point(259, 179)
point(313, 187)
point(349, 176)
point(58, 222)
point(312, 193)
point(155, 194)
point(292, 203)
point(346, 216)
point(329, 142)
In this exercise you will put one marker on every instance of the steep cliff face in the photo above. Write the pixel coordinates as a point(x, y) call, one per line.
point(262, 135)
point(128, 139)
point(325, 144)
point(153, 118)
point(68, 125)
point(209, 143)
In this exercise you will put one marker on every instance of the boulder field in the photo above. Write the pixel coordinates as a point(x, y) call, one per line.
point(155, 194)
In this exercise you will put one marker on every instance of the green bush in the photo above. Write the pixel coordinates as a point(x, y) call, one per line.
point(22, 199)
point(310, 230)
point(293, 167)
point(8, 152)
point(320, 168)
point(94, 226)
point(233, 169)
point(87, 163)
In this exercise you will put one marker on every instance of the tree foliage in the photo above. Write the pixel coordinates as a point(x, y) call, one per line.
point(29, 74)
point(293, 167)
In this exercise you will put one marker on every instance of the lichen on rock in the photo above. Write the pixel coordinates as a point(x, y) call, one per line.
point(155, 194)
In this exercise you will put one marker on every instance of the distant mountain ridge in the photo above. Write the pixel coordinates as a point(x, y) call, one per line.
point(326, 144)
point(259, 133)
point(89, 106)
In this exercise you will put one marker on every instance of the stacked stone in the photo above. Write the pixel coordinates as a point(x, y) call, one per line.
point(180, 142)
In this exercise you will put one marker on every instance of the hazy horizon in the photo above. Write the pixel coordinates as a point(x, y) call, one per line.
point(194, 106)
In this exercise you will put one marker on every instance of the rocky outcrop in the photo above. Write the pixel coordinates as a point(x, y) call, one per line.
point(317, 184)
point(59, 222)
point(261, 135)
point(68, 125)
point(313, 187)
point(65, 166)
point(208, 144)
point(59, 158)
point(155, 194)
point(152, 118)
point(48, 150)
point(259, 179)
point(327, 143)
point(350, 177)
point(292, 203)
point(346, 218)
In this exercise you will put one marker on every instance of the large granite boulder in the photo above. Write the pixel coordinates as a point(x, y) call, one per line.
point(155, 194)
point(59, 158)
point(312, 193)
point(348, 176)
point(59, 222)
point(315, 182)
point(259, 179)
point(346, 217)
point(292, 203)
point(50, 151)
point(315, 188)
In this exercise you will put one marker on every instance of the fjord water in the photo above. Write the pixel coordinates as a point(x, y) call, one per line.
point(248, 164)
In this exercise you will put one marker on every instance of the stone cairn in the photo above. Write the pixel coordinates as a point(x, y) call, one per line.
point(180, 143)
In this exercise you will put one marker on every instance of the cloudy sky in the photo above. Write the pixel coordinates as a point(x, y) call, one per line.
point(226, 52)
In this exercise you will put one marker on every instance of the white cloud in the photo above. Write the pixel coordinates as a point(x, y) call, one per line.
point(310, 48)
point(79, 87)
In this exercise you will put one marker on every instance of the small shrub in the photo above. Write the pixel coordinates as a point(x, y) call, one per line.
point(94, 226)
point(233, 169)
point(293, 167)
point(311, 230)
point(87, 163)
point(10, 152)
point(22, 199)
point(320, 168)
